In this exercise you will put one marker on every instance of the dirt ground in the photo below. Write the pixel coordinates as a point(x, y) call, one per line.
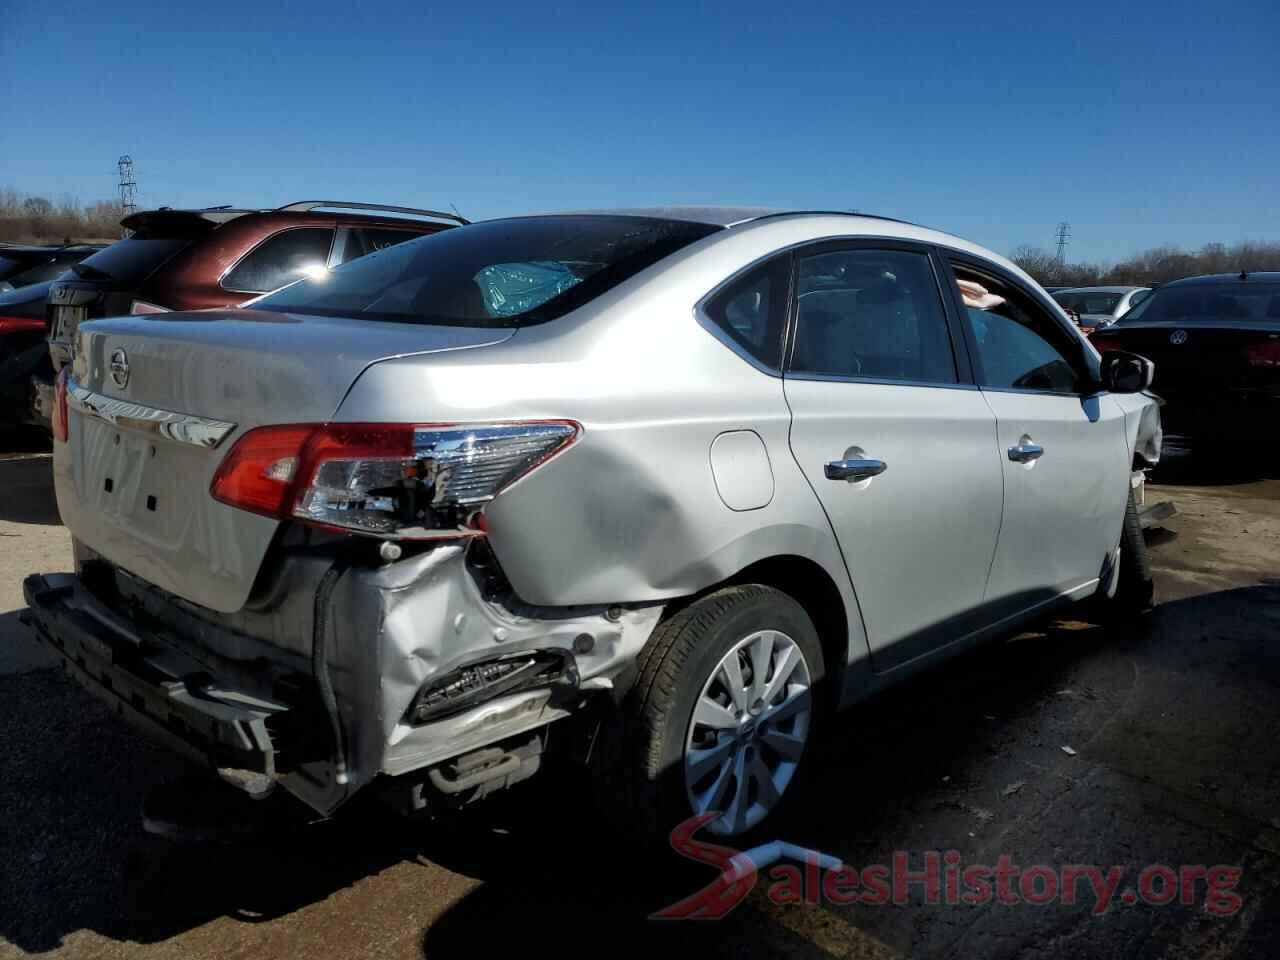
point(1174, 728)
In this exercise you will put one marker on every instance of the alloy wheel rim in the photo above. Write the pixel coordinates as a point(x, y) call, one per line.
point(748, 731)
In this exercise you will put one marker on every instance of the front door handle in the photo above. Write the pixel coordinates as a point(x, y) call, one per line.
point(854, 470)
point(1026, 451)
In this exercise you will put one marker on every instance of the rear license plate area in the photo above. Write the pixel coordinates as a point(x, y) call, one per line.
point(66, 321)
point(132, 478)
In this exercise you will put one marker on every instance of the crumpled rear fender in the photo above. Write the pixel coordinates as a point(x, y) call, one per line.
point(397, 627)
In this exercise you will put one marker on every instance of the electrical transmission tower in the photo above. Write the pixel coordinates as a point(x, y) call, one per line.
point(1064, 237)
point(128, 187)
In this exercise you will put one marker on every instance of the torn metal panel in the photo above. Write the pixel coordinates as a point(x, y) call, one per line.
point(399, 626)
point(389, 630)
point(1142, 426)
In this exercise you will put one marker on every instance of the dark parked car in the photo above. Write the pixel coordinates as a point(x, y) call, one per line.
point(1215, 341)
point(217, 257)
point(25, 273)
point(23, 350)
point(24, 264)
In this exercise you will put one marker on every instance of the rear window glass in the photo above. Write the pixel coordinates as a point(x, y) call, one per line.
point(1222, 302)
point(133, 259)
point(1089, 302)
point(40, 272)
point(873, 314)
point(281, 259)
point(498, 273)
point(752, 310)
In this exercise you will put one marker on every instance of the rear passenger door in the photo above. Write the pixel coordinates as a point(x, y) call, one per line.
point(874, 385)
point(1061, 442)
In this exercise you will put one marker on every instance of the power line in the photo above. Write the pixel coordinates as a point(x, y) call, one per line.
point(1064, 237)
point(128, 187)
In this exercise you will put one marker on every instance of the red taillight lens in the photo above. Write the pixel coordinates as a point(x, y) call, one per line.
point(1266, 354)
point(61, 413)
point(259, 473)
point(21, 325)
point(408, 481)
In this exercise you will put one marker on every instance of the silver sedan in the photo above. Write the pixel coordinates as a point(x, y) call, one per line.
point(1100, 306)
point(677, 481)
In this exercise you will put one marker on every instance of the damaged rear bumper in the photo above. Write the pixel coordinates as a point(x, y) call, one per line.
point(409, 653)
point(158, 689)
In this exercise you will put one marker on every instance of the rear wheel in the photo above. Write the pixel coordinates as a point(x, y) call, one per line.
point(720, 718)
point(17, 365)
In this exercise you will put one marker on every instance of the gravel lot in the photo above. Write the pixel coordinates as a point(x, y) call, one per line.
point(1175, 728)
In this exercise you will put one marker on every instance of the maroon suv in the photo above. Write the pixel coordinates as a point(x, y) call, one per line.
point(216, 257)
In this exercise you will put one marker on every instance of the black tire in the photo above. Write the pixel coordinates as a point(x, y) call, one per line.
point(639, 761)
point(1136, 587)
point(16, 369)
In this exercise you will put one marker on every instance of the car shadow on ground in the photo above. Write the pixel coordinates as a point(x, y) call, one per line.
point(967, 757)
point(26, 489)
point(1183, 467)
point(17, 440)
point(925, 766)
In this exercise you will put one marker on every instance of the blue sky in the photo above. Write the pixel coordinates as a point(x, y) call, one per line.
point(1142, 123)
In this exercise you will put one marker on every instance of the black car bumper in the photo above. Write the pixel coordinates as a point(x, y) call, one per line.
point(158, 689)
point(1225, 413)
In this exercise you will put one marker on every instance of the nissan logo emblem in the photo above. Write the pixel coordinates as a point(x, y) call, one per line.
point(119, 368)
point(1178, 337)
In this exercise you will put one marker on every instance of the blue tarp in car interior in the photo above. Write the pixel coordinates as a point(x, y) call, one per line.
point(509, 289)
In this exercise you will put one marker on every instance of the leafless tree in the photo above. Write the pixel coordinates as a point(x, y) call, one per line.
point(1155, 265)
point(35, 218)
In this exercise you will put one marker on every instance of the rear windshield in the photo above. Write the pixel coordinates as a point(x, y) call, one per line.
point(133, 259)
point(49, 269)
point(500, 273)
point(1221, 302)
point(1089, 302)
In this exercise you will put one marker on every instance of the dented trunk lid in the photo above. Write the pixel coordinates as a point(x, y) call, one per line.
point(138, 495)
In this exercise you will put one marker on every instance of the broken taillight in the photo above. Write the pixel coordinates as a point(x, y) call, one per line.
point(410, 481)
point(1265, 354)
point(61, 414)
point(467, 687)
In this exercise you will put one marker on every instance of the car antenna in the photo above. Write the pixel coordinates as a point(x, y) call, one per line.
point(455, 210)
point(1244, 274)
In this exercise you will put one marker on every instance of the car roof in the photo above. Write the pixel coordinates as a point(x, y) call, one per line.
point(816, 223)
point(718, 216)
point(1209, 279)
point(42, 249)
point(328, 209)
point(1096, 289)
point(712, 216)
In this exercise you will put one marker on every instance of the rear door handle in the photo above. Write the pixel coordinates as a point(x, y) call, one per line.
point(1026, 451)
point(854, 470)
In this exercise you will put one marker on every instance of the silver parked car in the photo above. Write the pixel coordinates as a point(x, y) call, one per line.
point(1100, 306)
point(674, 482)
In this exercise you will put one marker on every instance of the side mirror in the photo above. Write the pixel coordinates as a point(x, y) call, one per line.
point(1124, 372)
